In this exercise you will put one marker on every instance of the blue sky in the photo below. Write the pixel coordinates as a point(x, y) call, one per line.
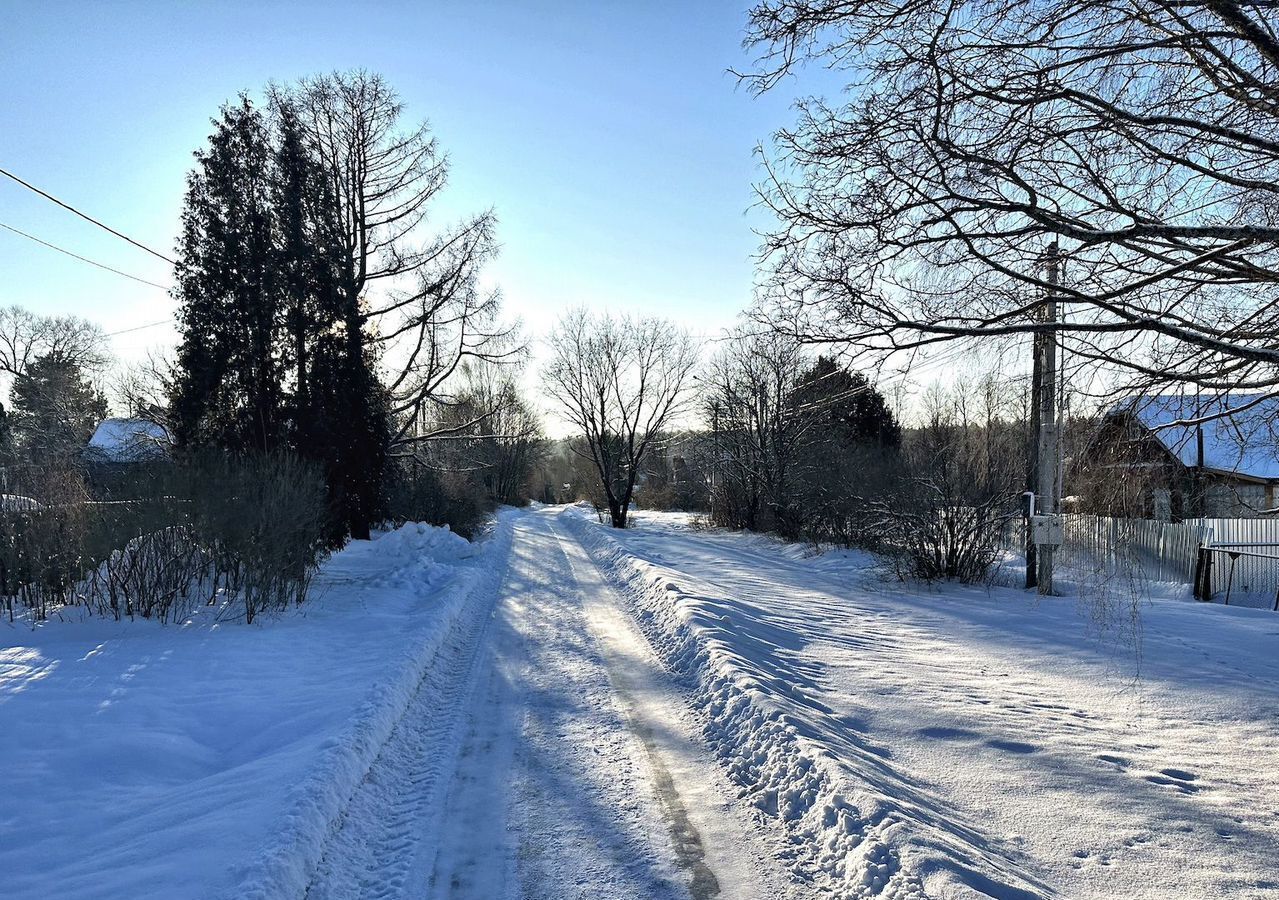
point(608, 136)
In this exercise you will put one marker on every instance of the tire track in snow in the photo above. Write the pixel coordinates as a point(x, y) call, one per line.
point(582, 793)
point(475, 854)
point(690, 854)
point(716, 840)
point(379, 849)
point(524, 767)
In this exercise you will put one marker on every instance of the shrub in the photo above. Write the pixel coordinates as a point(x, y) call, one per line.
point(950, 499)
point(159, 574)
point(262, 520)
point(421, 494)
point(42, 542)
point(935, 538)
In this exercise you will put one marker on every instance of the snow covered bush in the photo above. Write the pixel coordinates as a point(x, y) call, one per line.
point(160, 575)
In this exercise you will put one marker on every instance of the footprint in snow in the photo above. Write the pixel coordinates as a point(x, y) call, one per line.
point(1013, 746)
point(947, 734)
point(1178, 783)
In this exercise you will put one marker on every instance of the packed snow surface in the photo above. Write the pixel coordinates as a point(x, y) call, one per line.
point(208, 759)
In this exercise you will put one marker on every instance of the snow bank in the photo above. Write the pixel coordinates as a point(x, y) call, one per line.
point(840, 835)
point(838, 840)
point(209, 759)
point(425, 555)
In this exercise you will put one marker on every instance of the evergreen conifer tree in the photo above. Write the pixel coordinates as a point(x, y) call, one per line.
point(229, 389)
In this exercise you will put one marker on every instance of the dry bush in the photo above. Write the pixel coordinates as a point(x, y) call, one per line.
point(422, 494)
point(262, 520)
point(159, 575)
point(954, 493)
point(42, 542)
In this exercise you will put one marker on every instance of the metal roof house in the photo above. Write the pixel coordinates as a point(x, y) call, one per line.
point(1179, 456)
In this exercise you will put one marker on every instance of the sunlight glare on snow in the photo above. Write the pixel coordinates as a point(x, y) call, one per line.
point(20, 667)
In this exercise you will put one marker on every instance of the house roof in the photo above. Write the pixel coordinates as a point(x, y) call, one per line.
point(129, 440)
point(1245, 442)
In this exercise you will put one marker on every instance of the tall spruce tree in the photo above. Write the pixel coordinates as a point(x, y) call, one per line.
point(304, 269)
point(852, 411)
point(229, 389)
point(274, 354)
point(338, 403)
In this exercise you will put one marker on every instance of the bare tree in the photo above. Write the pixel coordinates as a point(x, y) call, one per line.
point(620, 382)
point(756, 429)
point(981, 140)
point(142, 389)
point(487, 431)
point(414, 296)
point(26, 336)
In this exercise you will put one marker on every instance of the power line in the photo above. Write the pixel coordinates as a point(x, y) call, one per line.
point(85, 216)
point(140, 327)
point(32, 237)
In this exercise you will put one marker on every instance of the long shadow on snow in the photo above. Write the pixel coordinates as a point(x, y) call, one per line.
point(764, 640)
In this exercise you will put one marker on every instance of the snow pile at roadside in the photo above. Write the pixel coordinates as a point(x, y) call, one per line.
point(428, 553)
point(425, 553)
point(840, 835)
point(212, 759)
point(417, 541)
point(839, 843)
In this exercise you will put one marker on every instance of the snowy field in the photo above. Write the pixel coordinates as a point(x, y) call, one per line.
point(566, 711)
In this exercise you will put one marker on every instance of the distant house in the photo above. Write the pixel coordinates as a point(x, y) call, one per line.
point(128, 441)
point(1173, 457)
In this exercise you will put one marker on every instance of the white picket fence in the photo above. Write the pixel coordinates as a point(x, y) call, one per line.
point(1167, 551)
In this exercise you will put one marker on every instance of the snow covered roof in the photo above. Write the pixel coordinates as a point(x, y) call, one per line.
point(129, 440)
point(1245, 442)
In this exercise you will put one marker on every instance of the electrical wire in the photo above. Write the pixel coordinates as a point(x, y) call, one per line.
point(85, 259)
point(88, 218)
point(141, 327)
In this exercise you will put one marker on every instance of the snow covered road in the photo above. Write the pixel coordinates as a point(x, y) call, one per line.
point(547, 755)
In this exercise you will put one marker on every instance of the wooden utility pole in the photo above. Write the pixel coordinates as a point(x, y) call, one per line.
point(1048, 437)
point(1032, 454)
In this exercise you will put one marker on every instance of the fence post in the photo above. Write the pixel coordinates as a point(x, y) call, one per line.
point(1203, 575)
